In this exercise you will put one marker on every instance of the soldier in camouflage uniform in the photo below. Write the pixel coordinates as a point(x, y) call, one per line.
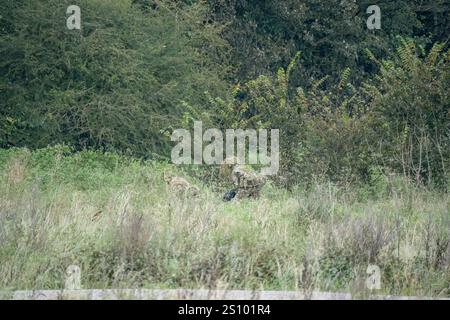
point(247, 183)
point(180, 186)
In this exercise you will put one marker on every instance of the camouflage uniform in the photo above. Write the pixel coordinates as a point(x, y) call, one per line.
point(248, 184)
point(180, 186)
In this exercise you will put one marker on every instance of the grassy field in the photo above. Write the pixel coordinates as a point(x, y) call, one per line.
point(114, 217)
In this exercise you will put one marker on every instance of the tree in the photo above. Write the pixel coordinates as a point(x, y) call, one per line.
point(115, 84)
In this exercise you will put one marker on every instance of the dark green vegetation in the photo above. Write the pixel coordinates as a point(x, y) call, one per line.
point(113, 85)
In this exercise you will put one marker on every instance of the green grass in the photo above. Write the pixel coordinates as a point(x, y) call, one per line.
point(114, 217)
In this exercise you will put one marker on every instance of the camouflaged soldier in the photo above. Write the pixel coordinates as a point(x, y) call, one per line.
point(180, 186)
point(248, 184)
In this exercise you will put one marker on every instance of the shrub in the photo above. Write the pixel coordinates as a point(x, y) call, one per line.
point(113, 85)
point(410, 113)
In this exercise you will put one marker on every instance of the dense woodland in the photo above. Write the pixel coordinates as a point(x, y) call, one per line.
point(351, 103)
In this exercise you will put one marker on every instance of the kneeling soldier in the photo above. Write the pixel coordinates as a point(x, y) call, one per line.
point(248, 184)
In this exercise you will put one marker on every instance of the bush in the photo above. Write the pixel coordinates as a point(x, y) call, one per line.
point(113, 85)
point(410, 113)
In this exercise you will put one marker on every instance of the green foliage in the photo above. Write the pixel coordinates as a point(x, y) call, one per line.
point(364, 128)
point(400, 120)
point(349, 104)
point(115, 84)
point(335, 130)
point(266, 103)
point(410, 113)
point(332, 35)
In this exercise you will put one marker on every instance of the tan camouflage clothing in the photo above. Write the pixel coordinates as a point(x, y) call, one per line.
point(180, 186)
point(248, 184)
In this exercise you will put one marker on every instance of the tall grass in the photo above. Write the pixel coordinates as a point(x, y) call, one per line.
point(114, 217)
